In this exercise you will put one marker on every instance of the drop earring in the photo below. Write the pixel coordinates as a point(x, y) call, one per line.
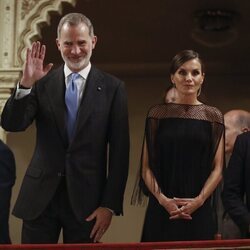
point(199, 91)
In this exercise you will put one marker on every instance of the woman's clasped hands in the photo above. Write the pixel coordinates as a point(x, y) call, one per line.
point(180, 208)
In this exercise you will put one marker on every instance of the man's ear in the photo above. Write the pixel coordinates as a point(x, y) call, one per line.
point(58, 43)
point(244, 129)
point(94, 41)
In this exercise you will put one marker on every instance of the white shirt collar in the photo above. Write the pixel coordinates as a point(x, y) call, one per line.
point(83, 73)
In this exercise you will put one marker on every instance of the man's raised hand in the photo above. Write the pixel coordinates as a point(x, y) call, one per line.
point(34, 69)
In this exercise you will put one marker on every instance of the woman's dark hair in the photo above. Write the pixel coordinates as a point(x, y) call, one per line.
point(182, 57)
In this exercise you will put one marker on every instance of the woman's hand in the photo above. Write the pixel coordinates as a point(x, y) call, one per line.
point(189, 205)
point(172, 208)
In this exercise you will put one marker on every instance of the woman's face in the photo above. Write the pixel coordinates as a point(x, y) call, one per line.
point(188, 77)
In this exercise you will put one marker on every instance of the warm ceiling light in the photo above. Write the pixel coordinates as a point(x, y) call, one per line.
point(215, 27)
point(215, 19)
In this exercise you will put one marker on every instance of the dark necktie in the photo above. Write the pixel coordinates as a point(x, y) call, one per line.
point(71, 103)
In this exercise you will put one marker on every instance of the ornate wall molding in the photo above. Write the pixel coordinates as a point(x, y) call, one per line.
point(8, 79)
point(33, 14)
point(7, 27)
point(20, 22)
point(27, 6)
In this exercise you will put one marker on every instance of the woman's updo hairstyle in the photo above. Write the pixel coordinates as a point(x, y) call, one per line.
point(182, 57)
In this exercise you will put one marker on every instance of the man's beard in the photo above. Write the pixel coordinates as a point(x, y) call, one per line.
point(84, 61)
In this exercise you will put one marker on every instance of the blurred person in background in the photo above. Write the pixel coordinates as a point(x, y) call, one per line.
point(7, 181)
point(237, 121)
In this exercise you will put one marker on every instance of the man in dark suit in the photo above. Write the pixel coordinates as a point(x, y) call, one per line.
point(7, 180)
point(77, 176)
point(236, 121)
point(236, 192)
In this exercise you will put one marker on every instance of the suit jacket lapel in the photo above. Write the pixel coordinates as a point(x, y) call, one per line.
point(55, 88)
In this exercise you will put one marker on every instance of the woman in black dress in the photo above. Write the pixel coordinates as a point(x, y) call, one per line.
point(182, 159)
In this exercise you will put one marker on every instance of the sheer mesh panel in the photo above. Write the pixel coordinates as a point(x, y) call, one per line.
point(199, 112)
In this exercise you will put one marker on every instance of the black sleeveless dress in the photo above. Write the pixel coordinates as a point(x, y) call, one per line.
point(182, 141)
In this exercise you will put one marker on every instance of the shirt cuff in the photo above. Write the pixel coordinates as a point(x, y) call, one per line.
point(20, 93)
point(112, 211)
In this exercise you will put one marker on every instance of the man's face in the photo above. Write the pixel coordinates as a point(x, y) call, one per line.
point(231, 132)
point(76, 45)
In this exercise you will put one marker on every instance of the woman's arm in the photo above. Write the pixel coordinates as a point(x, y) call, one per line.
point(152, 185)
point(190, 205)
